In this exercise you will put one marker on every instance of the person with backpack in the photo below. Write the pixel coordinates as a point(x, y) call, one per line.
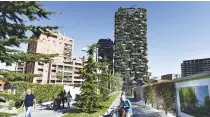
point(69, 97)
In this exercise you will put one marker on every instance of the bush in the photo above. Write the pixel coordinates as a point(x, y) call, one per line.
point(43, 92)
point(2, 114)
point(11, 104)
point(162, 94)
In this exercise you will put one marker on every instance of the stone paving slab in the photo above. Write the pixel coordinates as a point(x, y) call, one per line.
point(142, 110)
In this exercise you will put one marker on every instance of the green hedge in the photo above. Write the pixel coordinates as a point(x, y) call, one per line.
point(43, 92)
point(162, 95)
point(2, 114)
point(7, 96)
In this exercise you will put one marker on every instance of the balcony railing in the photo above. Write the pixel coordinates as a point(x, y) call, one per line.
point(39, 78)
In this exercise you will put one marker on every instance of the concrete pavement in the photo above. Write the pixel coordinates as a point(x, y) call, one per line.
point(142, 110)
point(43, 112)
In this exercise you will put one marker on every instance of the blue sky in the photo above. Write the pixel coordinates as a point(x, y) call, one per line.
point(176, 30)
point(201, 92)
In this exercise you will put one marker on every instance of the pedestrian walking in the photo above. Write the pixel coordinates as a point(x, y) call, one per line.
point(134, 94)
point(122, 112)
point(65, 95)
point(69, 97)
point(62, 96)
point(145, 97)
point(123, 93)
point(126, 104)
point(29, 103)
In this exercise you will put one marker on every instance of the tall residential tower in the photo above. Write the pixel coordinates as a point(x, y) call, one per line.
point(105, 50)
point(131, 44)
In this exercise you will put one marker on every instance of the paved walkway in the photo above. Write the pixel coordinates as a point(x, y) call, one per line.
point(43, 112)
point(140, 110)
point(114, 105)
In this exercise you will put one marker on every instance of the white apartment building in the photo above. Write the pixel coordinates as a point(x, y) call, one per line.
point(63, 64)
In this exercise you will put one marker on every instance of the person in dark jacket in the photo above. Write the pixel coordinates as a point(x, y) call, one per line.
point(29, 103)
point(69, 97)
point(134, 94)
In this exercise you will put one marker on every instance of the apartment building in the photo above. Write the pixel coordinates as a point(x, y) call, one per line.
point(195, 66)
point(63, 64)
point(170, 76)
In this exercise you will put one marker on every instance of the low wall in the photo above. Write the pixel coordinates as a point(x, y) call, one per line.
point(192, 97)
point(73, 90)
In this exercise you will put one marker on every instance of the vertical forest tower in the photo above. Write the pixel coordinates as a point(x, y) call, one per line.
point(130, 57)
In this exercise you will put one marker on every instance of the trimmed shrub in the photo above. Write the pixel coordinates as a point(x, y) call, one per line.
point(11, 104)
point(7, 97)
point(162, 95)
point(2, 114)
point(43, 92)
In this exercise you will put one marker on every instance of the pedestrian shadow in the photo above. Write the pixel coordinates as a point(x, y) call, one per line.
point(153, 114)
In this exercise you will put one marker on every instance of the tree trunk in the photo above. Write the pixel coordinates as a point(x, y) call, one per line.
point(62, 82)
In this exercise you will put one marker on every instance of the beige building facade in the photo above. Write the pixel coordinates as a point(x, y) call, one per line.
point(63, 64)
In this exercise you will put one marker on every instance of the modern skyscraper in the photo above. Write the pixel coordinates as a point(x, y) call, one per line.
point(63, 64)
point(105, 50)
point(131, 43)
point(190, 67)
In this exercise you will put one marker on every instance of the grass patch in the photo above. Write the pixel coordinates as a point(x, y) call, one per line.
point(2, 114)
point(190, 79)
point(106, 105)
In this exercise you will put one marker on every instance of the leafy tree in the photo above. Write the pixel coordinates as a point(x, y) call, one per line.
point(207, 103)
point(104, 79)
point(13, 18)
point(192, 97)
point(89, 98)
point(16, 76)
point(59, 76)
point(116, 82)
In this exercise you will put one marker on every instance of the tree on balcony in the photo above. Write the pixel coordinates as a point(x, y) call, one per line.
point(59, 76)
point(13, 16)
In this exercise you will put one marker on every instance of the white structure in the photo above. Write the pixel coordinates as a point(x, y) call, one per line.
point(196, 84)
point(73, 90)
